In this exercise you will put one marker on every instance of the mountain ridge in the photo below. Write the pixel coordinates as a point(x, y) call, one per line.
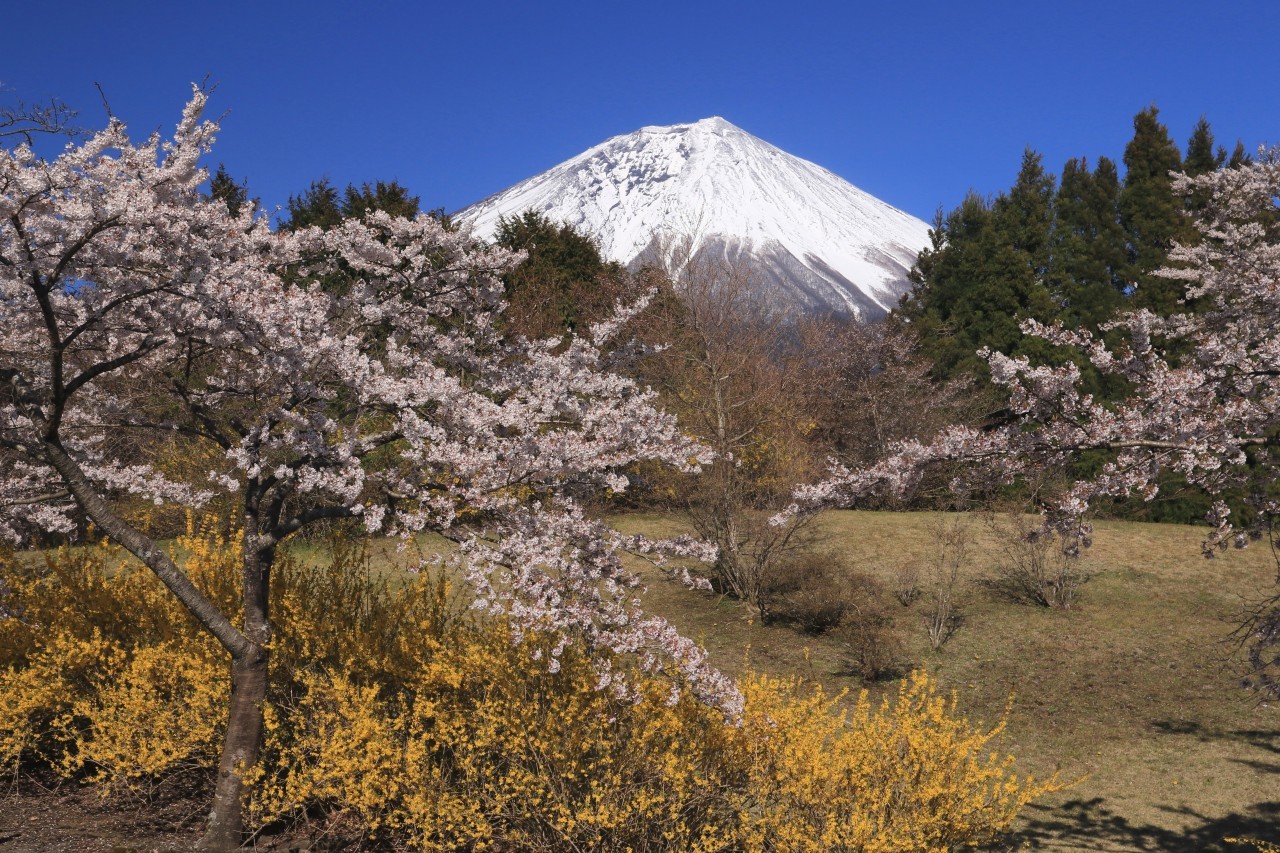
point(710, 189)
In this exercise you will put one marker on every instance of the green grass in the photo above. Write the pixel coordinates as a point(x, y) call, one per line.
point(1135, 691)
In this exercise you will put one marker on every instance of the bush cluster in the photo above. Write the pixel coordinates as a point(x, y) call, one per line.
point(394, 711)
point(819, 594)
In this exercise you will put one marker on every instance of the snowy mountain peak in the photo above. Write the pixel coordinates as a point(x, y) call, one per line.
point(712, 189)
point(714, 124)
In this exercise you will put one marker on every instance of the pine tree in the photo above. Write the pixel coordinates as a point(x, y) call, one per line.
point(224, 187)
point(981, 277)
point(1025, 213)
point(1239, 156)
point(564, 282)
point(319, 205)
point(390, 197)
point(1152, 216)
point(1201, 157)
point(1088, 245)
point(322, 205)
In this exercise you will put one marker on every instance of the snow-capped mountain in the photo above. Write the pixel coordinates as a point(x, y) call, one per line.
point(668, 193)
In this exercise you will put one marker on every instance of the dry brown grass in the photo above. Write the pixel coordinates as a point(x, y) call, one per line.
point(1135, 690)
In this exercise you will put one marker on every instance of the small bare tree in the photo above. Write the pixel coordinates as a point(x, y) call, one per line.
point(952, 539)
point(27, 120)
point(906, 580)
point(875, 390)
point(734, 374)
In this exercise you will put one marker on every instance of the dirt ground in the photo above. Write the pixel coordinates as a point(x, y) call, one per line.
point(44, 815)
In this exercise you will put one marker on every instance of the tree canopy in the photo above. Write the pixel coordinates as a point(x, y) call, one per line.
point(563, 284)
point(323, 206)
point(1075, 249)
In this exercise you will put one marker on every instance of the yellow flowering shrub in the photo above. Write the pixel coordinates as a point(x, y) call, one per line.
point(160, 711)
point(37, 696)
point(486, 746)
point(392, 710)
point(904, 775)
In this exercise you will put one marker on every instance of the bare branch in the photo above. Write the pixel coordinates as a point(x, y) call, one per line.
point(26, 121)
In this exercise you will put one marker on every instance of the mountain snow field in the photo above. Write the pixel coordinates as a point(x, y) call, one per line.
point(667, 194)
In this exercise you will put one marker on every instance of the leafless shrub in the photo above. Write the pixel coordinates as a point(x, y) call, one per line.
point(943, 618)
point(810, 591)
point(906, 581)
point(1035, 566)
point(872, 644)
point(818, 594)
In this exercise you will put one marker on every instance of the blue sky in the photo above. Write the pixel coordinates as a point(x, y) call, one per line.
point(914, 102)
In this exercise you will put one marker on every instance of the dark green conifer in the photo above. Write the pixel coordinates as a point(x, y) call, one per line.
point(564, 282)
point(1152, 216)
point(1088, 248)
point(223, 186)
point(1201, 157)
point(974, 285)
point(319, 206)
point(1025, 213)
point(323, 206)
point(390, 197)
point(1239, 156)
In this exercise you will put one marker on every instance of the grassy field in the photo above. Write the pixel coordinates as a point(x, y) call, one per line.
point(1135, 691)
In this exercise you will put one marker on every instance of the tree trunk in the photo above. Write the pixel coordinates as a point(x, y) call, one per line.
point(248, 648)
point(240, 750)
point(243, 742)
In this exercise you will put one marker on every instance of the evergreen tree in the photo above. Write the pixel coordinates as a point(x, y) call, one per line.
point(390, 197)
point(1239, 156)
point(564, 282)
point(1201, 157)
point(319, 205)
point(322, 205)
point(1025, 213)
point(980, 279)
point(224, 187)
point(1088, 245)
point(1152, 216)
point(1111, 243)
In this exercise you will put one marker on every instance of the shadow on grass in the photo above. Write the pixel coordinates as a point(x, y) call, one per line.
point(1265, 740)
point(1090, 825)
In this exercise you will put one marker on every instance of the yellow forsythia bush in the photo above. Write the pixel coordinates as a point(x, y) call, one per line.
point(486, 746)
point(911, 774)
point(392, 710)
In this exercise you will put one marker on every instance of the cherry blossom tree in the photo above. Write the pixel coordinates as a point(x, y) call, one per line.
point(19, 118)
point(137, 313)
point(1205, 397)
